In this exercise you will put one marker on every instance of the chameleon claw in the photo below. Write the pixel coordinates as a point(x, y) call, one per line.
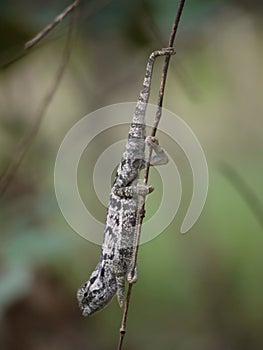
point(132, 277)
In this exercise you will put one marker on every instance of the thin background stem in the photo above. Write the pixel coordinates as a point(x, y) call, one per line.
point(88, 9)
point(154, 130)
point(245, 190)
point(51, 25)
point(24, 144)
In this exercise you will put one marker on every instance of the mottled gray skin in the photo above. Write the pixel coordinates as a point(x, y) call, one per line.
point(115, 264)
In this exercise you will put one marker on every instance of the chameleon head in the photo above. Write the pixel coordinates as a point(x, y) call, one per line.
point(95, 294)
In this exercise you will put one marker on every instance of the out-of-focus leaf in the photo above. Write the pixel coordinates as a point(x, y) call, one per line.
point(33, 246)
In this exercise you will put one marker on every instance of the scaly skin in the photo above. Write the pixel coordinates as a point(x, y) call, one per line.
point(120, 231)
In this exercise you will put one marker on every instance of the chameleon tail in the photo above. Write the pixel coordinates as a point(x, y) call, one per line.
point(137, 129)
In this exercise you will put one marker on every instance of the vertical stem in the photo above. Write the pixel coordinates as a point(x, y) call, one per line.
point(154, 130)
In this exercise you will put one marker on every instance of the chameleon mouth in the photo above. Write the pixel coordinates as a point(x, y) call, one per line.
point(87, 311)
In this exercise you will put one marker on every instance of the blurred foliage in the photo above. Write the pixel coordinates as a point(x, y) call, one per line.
point(203, 290)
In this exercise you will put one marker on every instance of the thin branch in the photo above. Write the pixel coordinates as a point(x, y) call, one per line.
point(18, 53)
point(23, 146)
point(154, 130)
point(29, 44)
point(245, 190)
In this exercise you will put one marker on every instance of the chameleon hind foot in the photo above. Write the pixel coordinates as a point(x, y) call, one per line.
point(160, 157)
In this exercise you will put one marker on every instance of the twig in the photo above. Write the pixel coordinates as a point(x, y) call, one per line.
point(154, 130)
point(92, 8)
point(245, 190)
point(29, 44)
point(24, 144)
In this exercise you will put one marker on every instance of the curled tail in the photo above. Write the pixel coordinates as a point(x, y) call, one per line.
point(137, 129)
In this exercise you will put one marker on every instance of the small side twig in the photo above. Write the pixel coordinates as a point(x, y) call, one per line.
point(29, 44)
point(22, 147)
point(146, 175)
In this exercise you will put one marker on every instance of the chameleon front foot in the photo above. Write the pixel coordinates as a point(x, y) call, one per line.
point(121, 300)
point(121, 293)
point(137, 189)
point(132, 276)
point(141, 189)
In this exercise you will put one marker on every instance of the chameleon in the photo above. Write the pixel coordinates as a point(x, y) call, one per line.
point(115, 265)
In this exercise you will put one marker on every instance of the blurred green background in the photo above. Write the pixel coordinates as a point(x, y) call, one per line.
point(202, 290)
